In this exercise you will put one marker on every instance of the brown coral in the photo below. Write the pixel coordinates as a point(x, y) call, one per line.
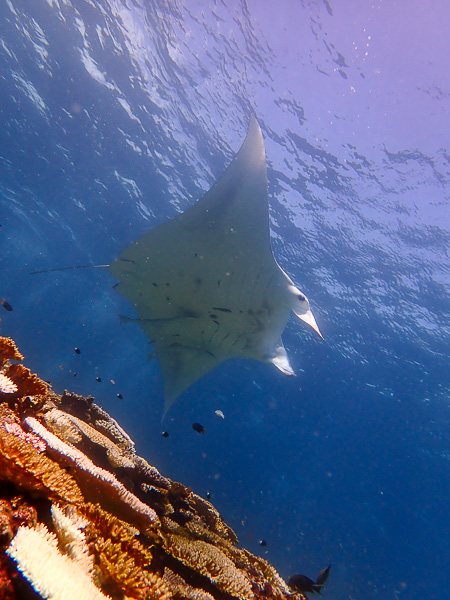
point(27, 383)
point(131, 532)
point(210, 562)
point(8, 350)
point(183, 590)
point(14, 511)
point(22, 465)
point(123, 560)
point(121, 570)
point(74, 430)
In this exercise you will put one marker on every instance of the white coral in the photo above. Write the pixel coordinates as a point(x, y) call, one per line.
point(52, 574)
point(69, 524)
point(7, 386)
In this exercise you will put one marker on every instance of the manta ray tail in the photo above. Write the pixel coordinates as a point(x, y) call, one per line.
point(70, 268)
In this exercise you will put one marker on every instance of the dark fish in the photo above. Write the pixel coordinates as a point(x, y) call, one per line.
point(77, 351)
point(99, 379)
point(119, 396)
point(164, 434)
point(226, 310)
point(198, 428)
point(302, 583)
point(208, 495)
point(6, 305)
point(323, 575)
point(263, 543)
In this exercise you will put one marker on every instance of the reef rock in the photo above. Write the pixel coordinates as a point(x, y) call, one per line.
point(83, 516)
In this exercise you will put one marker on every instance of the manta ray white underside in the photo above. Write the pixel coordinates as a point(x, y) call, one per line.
point(205, 284)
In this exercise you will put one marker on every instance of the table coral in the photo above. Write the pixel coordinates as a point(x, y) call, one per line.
point(82, 513)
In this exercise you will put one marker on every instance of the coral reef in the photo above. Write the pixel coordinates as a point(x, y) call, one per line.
point(83, 516)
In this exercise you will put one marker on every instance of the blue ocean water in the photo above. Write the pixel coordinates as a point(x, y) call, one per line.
point(117, 114)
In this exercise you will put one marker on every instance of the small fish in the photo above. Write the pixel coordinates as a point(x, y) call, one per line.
point(119, 396)
point(219, 413)
point(6, 305)
point(302, 583)
point(226, 310)
point(112, 381)
point(164, 434)
point(208, 495)
point(323, 575)
point(77, 350)
point(263, 543)
point(198, 428)
point(99, 379)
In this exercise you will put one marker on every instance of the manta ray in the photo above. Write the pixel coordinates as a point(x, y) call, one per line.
point(206, 286)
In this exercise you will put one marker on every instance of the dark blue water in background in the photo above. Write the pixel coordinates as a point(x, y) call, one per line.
point(115, 115)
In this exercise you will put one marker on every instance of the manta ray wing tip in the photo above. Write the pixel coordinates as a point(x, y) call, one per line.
point(309, 319)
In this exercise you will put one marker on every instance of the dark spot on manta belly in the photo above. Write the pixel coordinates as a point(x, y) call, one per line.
point(190, 313)
point(259, 326)
point(197, 281)
point(154, 284)
point(168, 298)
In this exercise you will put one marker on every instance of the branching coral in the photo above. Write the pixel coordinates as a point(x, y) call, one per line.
point(123, 560)
point(210, 562)
point(53, 574)
point(94, 479)
point(7, 386)
point(72, 429)
point(120, 569)
point(69, 526)
point(8, 350)
point(183, 590)
point(32, 439)
point(118, 528)
point(22, 465)
point(27, 383)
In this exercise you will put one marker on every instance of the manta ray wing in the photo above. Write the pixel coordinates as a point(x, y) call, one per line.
point(205, 284)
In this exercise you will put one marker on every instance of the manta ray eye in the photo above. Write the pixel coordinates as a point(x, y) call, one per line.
point(301, 297)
